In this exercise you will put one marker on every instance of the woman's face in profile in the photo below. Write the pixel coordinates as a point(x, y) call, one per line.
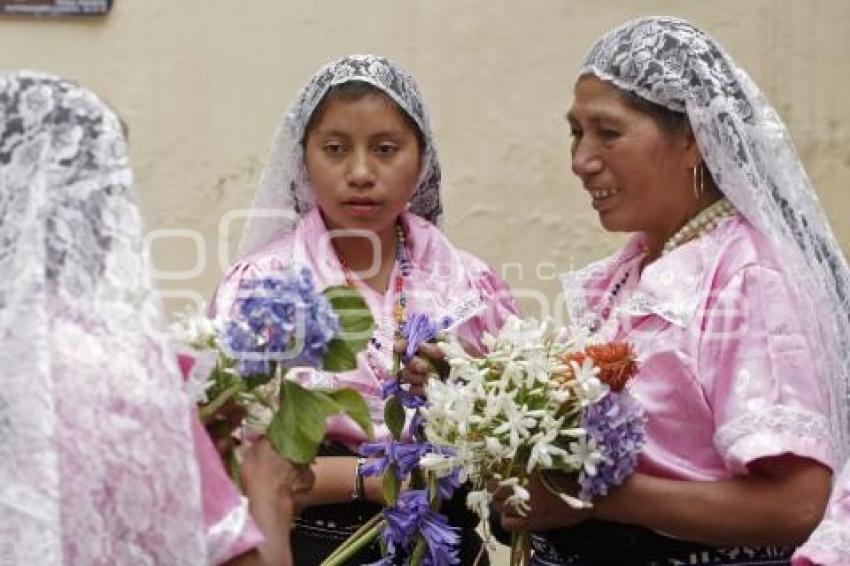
point(637, 175)
point(363, 159)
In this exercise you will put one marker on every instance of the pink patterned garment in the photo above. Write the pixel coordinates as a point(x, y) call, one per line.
point(725, 373)
point(830, 543)
point(443, 281)
point(229, 529)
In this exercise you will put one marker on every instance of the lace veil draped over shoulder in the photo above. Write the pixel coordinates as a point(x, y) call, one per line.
point(749, 153)
point(96, 464)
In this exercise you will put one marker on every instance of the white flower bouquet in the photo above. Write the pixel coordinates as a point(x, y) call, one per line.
point(535, 404)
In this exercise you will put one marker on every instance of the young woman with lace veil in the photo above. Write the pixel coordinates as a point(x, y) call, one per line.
point(102, 461)
point(734, 293)
point(352, 190)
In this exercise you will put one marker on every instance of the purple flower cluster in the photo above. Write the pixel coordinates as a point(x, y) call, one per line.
point(394, 388)
point(412, 516)
point(416, 329)
point(279, 321)
point(616, 423)
point(404, 455)
point(419, 328)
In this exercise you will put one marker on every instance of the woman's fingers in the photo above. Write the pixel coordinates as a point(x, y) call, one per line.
point(428, 362)
point(431, 351)
point(513, 523)
point(418, 371)
point(416, 382)
point(399, 346)
point(265, 473)
point(434, 355)
point(304, 478)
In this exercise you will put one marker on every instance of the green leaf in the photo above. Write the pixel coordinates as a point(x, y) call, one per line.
point(254, 381)
point(356, 326)
point(235, 469)
point(433, 492)
point(208, 412)
point(418, 552)
point(394, 416)
point(352, 404)
point(298, 427)
point(391, 486)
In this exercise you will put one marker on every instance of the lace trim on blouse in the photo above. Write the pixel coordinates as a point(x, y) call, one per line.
point(777, 419)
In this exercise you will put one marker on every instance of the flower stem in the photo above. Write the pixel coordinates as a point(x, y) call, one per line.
point(480, 556)
point(353, 544)
point(562, 493)
point(207, 412)
point(418, 552)
point(235, 469)
point(433, 491)
point(520, 548)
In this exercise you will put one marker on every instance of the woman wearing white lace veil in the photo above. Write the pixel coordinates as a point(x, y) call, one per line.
point(735, 295)
point(352, 185)
point(98, 465)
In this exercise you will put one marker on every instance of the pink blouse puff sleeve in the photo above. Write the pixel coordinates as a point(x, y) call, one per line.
point(829, 544)
point(759, 376)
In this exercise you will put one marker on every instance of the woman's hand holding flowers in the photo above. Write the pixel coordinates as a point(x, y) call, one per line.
point(428, 362)
point(547, 510)
point(269, 477)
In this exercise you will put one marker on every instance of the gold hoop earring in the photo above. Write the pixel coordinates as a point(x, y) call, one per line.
point(699, 187)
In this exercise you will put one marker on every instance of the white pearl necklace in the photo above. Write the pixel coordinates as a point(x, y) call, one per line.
point(704, 221)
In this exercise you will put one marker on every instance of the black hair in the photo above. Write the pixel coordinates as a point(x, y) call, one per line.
point(353, 91)
point(670, 122)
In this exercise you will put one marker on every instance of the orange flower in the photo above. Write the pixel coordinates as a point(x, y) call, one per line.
point(616, 362)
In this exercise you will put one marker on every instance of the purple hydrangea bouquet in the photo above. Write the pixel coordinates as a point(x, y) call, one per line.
point(278, 325)
point(534, 404)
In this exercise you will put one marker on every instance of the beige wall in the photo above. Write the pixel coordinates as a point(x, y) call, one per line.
point(202, 84)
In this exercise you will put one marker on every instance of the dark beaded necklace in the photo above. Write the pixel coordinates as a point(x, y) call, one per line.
point(610, 298)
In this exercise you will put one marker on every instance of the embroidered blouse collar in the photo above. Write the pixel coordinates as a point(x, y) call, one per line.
point(672, 287)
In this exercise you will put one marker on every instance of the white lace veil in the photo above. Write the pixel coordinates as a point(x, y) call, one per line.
point(749, 153)
point(96, 461)
point(284, 193)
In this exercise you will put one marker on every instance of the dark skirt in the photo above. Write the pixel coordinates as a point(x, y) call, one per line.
point(598, 543)
point(320, 530)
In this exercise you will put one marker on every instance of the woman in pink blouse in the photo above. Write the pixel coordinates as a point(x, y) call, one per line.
point(352, 190)
point(734, 294)
point(102, 461)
